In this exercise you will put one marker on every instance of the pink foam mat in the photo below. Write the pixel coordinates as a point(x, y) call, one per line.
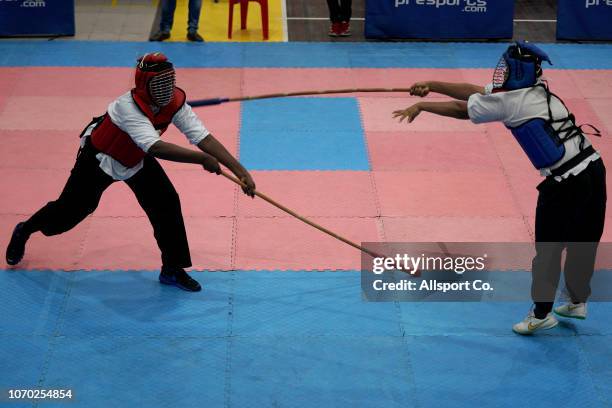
point(283, 243)
point(434, 180)
point(412, 193)
point(118, 201)
point(9, 78)
point(274, 80)
point(403, 77)
point(400, 78)
point(585, 113)
point(203, 83)
point(521, 177)
point(227, 137)
point(49, 149)
point(119, 243)
point(434, 151)
point(56, 252)
point(563, 83)
point(377, 116)
point(480, 76)
point(201, 194)
point(603, 109)
point(592, 83)
point(128, 243)
point(26, 190)
point(3, 99)
point(74, 81)
point(51, 112)
point(457, 229)
point(313, 193)
point(220, 119)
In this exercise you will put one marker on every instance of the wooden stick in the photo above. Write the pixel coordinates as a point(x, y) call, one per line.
point(217, 101)
point(303, 219)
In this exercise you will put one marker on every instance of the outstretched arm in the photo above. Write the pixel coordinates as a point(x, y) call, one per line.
point(460, 91)
point(453, 109)
point(191, 126)
point(213, 147)
point(169, 151)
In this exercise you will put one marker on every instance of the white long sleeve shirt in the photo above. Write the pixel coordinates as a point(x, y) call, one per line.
point(126, 115)
point(513, 108)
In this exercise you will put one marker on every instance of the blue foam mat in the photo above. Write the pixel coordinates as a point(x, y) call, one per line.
point(303, 134)
point(139, 371)
point(135, 304)
point(297, 338)
point(308, 304)
point(321, 372)
point(502, 372)
point(295, 54)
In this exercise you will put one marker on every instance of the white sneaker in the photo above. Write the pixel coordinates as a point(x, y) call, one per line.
point(531, 325)
point(571, 310)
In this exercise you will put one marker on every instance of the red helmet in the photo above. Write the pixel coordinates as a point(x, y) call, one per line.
point(155, 79)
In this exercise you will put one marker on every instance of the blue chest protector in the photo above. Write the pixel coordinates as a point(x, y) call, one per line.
point(544, 145)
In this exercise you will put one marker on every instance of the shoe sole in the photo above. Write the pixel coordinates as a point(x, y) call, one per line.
point(178, 285)
point(13, 262)
point(568, 316)
point(536, 330)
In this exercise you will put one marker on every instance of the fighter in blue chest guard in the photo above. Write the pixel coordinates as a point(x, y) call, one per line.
point(542, 139)
point(571, 206)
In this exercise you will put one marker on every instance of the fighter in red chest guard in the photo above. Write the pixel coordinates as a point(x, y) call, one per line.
point(123, 145)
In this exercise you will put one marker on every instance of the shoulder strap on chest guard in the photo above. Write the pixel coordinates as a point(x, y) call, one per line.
point(572, 130)
point(544, 145)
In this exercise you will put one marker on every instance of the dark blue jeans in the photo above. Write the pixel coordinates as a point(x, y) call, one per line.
point(167, 17)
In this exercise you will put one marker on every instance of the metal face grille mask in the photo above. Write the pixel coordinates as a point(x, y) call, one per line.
point(161, 87)
point(155, 79)
point(500, 76)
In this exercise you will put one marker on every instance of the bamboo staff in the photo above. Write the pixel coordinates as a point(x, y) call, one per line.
point(303, 219)
point(218, 101)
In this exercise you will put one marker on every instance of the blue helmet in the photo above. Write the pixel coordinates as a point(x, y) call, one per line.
point(519, 67)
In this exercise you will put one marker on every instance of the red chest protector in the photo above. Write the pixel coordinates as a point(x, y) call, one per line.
point(109, 139)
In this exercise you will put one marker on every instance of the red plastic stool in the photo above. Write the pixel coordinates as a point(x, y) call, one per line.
point(244, 11)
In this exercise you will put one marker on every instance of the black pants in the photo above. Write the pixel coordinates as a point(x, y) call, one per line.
point(570, 215)
point(152, 187)
point(339, 10)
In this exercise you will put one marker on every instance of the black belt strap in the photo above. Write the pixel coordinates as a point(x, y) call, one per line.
point(573, 162)
point(97, 120)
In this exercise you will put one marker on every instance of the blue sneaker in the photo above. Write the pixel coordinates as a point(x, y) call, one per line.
point(179, 278)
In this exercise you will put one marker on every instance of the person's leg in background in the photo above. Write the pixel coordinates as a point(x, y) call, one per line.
point(160, 201)
point(79, 198)
point(587, 223)
point(165, 23)
point(195, 6)
point(334, 17)
point(345, 18)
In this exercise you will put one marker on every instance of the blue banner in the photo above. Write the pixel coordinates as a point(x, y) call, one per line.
point(439, 19)
point(584, 20)
point(36, 17)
